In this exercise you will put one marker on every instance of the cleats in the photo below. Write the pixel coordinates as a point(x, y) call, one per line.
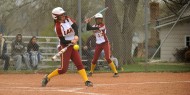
point(116, 75)
point(88, 84)
point(45, 80)
point(89, 74)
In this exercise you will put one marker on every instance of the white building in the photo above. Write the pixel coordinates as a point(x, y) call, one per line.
point(178, 38)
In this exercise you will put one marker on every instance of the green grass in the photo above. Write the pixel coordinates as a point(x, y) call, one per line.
point(163, 67)
point(139, 60)
point(157, 67)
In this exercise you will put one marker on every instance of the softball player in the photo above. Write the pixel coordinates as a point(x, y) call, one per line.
point(67, 32)
point(102, 43)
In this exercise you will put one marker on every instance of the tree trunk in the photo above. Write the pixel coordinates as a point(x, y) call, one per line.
point(113, 28)
point(154, 14)
point(130, 10)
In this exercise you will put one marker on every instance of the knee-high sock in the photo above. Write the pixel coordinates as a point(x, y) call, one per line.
point(82, 72)
point(52, 74)
point(92, 67)
point(112, 65)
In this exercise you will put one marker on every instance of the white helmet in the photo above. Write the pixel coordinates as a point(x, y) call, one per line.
point(57, 11)
point(98, 15)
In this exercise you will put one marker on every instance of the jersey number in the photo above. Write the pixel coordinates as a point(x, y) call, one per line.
point(100, 34)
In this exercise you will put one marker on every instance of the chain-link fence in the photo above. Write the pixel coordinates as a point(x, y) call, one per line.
point(135, 29)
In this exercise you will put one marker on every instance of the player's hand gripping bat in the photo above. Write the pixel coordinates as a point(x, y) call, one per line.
point(60, 52)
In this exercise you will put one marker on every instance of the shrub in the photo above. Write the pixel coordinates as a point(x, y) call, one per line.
point(180, 54)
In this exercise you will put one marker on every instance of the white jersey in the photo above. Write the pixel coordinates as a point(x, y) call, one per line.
point(100, 34)
point(66, 29)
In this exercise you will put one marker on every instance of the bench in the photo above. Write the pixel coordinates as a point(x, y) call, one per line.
point(48, 49)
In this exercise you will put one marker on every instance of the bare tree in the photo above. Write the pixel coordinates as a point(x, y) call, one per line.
point(121, 37)
point(175, 5)
point(130, 9)
point(113, 27)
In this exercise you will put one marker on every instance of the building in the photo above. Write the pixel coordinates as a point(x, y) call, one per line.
point(178, 38)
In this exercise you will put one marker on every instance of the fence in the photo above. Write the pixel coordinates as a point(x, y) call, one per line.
point(48, 48)
point(48, 45)
point(127, 22)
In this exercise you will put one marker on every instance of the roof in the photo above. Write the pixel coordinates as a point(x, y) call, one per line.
point(165, 21)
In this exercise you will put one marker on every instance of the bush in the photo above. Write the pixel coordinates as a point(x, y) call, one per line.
point(180, 54)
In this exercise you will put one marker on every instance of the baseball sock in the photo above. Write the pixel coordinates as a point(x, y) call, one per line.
point(52, 74)
point(112, 65)
point(92, 67)
point(82, 72)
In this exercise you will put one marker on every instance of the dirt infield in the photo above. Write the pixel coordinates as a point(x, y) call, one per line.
point(104, 84)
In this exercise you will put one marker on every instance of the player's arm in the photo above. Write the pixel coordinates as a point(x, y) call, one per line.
point(73, 25)
point(63, 41)
point(89, 27)
point(75, 28)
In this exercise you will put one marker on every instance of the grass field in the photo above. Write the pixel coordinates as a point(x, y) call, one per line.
point(157, 67)
point(141, 67)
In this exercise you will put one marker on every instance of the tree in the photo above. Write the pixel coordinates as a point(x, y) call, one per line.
point(28, 17)
point(121, 37)
point(175, 5)
point(130, 10)
point(113, 28)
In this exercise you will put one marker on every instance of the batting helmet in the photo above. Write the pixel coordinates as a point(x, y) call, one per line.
point(57, 11)
point(98, 15)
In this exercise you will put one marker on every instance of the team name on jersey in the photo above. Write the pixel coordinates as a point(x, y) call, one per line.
point(66, 29)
